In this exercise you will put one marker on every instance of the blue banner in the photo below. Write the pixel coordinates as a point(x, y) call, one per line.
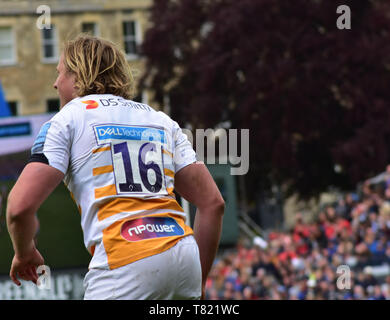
point(15, 129)
point(4, 108)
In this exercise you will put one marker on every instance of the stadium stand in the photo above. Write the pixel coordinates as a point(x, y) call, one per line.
point(304, 262)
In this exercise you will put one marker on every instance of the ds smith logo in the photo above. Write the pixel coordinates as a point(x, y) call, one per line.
point(91, 104)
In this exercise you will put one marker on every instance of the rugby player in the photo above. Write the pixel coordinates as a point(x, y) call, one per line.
point(121, 162)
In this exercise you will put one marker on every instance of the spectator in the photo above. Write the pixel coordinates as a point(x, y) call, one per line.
point(377, 294)
point(301, 264)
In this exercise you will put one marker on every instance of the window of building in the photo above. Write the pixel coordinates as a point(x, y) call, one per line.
point(131, 36)
point(49, 44)
point(13, 107)
point(90, 28)
point(7, 46)
point(52, 105)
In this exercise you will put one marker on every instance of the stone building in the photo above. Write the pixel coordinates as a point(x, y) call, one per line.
point(32, 33)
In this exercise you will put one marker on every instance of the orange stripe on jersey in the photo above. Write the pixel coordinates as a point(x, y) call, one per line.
point(105, 191)
point(101, 149)
point(118, 205)
point(121, 252)
point(169, 173)
point(92, 250)
point(103, 169)
point(168, 153)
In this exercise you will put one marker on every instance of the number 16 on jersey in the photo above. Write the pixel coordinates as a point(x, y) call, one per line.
point(137, 158)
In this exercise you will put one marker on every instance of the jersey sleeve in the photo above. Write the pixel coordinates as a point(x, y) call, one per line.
point(183, 152)
point(53, 143)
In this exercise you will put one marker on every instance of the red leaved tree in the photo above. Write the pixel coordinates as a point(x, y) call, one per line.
point(314, 97)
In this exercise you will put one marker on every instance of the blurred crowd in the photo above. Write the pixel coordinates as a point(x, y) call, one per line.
point(343, 254)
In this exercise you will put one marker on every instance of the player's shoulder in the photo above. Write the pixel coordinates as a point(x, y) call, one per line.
point(97, 102)
point(86, 102)
point(167, 120)
point(68, 108)
point(73, 109)
point(80, 106)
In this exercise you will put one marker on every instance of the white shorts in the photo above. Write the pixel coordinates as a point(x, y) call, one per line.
point(173, 274)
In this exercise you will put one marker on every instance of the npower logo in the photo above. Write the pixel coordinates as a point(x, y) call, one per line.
point(150, 227)
point(91, 104)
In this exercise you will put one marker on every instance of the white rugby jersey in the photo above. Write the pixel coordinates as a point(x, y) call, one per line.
point(119, 158)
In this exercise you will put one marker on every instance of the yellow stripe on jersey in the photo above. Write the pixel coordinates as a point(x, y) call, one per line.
point(105, 191)
point(169, 173)
point(103, 169)
point(118, 205)
point(101, 149)
point(168, 153)
point(121, 252)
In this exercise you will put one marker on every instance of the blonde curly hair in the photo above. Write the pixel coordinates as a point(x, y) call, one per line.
point(100, 67)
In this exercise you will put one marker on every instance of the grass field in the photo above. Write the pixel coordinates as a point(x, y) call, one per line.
point(60, 238)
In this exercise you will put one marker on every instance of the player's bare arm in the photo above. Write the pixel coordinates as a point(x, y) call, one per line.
point(197, 186)
point(34, 185)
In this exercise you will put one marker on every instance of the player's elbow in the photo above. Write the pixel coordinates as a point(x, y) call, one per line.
point(217, 205)
point(17, 208)
point(220, 209)
point(14, 212)
point(220, 205)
